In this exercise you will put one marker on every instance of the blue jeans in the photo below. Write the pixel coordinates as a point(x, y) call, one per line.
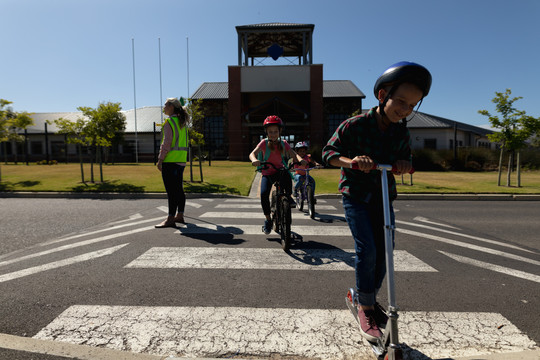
point(366, 221)
point(299, 179)
point(266, 187)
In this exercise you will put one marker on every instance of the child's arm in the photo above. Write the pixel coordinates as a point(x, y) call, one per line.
point(253, 156)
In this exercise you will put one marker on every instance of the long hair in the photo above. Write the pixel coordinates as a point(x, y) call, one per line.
point(182, 115)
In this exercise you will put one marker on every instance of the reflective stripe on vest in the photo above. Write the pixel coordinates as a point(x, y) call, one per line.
point(177, 154)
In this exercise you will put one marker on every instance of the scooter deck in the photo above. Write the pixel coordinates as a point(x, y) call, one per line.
point(379, 347)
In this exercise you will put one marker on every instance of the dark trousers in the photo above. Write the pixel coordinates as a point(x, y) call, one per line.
point(266, 186)
point(173, 178)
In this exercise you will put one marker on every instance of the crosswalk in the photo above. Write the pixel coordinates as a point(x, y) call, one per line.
point(244, 331)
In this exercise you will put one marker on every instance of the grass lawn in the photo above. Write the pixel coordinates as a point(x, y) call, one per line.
point(235, 177)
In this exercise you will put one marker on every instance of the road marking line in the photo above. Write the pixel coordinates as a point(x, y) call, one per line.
point(302, 230)
point(469, 246)
point(493, 267)
point(308, 333)
point(464, 235)
point(427, 221)
point(75, 245)
point(269, 259)
point(60, 263)
point(258, 206)
point(297, 215)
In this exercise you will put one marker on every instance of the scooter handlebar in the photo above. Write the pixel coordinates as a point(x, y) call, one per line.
point(391, 168)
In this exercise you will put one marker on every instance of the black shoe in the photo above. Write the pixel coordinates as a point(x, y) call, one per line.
point(267, 227)
point(381, 318)
point(292, 202)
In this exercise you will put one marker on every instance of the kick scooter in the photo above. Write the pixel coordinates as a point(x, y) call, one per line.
point(386, 347)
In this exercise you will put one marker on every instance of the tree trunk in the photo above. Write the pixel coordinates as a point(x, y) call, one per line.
point(509, 172)
point(200, 162)
point(500, 168)
point(81, 162)
point(14, 147)
point(92, 165)
point(100, 163)
point(518, 167)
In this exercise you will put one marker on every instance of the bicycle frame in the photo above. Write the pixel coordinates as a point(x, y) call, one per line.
point(280, 208)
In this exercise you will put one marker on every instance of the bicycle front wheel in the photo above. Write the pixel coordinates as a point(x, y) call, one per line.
point(311, 201)
point(285, 220)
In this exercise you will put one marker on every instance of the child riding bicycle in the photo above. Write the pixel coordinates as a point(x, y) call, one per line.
point(277, 151)
point(300, 174)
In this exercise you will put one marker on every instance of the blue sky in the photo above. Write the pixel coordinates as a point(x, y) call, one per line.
point(57, 55)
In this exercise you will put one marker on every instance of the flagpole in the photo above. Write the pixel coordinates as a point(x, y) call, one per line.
point(135, 101)
point(187, 52)
point(160, 84)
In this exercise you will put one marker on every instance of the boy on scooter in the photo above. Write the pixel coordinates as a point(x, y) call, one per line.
point(378, 136)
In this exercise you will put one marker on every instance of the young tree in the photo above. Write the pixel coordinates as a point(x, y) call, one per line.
point(516, 127)
point(75, 132)
point(196, 137)
point(11, 123)
point(106, 121)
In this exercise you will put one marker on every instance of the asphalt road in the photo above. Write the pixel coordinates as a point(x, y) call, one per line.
point(96, 272)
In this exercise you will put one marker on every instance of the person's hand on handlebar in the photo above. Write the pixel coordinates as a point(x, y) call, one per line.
point(256, 163)
point(363, 163)
point(402, 167)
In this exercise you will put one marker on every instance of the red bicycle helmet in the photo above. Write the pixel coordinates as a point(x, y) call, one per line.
point(272, 120)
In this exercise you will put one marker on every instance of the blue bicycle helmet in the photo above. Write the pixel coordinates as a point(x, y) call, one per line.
point(404, 72)
point(399, 73)
point(301, 144)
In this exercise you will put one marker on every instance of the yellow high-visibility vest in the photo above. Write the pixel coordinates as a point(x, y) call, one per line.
point(179, 145)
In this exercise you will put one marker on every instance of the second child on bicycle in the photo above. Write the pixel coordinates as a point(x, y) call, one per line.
point(277, 151)
point(301, 149)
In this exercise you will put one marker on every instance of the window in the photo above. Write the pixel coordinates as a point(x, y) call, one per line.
point(213, 132)
point(430, 144)
point(334, 120)
point(36, 147)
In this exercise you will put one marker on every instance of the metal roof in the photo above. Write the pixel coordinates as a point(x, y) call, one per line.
point(274, 26)
point(422, 120)
point(341, 88)
point(331, 89)
point(146, 116)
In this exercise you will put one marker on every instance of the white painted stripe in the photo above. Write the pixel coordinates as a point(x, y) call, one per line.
point(493, 267)
point(130, 218)
point(258, 201)
point(75, 245)
point(268, 259)
point(296, 215)
point(252, 332)
point(303, 230)
point(60, 263)
point(469, 246)
point(258, 206)
point(427, 221)
point(165, 209)
point(90, 233)
point(464, 235)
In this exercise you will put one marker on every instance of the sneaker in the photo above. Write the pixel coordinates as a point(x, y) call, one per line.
point(368, 326)
point(381, 318)
point(267, 227)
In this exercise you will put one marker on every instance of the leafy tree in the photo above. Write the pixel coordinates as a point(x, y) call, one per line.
point(105, 122)
point(11, 123)
point(75, 133)
point(516, 128)
point(196, 138)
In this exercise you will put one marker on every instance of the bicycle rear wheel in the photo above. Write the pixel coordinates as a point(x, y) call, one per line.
point(310, 201)
point(285, 223)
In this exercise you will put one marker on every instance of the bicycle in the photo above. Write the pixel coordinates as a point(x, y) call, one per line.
point(280, 208)
point(306, 193)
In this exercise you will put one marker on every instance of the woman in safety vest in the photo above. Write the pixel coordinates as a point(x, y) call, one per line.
point(172, 160)
point(275, 150)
